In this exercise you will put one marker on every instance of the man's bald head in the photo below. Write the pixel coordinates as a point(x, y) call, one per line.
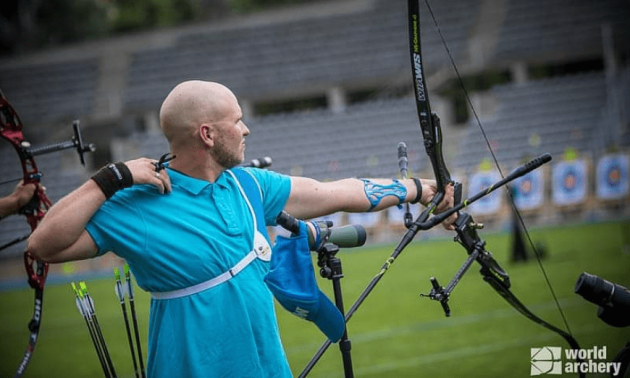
point(191, 104)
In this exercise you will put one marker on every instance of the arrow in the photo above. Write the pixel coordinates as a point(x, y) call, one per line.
point(120, 293)
point(90, 325)
point(134, 317)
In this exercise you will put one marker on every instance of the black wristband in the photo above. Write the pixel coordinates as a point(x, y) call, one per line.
point(112, 178)
point(418, 190)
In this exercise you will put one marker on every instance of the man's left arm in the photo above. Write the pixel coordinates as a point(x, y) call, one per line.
point(310, 198)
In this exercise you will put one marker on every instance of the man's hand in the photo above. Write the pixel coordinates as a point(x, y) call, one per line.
point(16, 200)
point(143, 172)
point(429, 190)
point(23, 193)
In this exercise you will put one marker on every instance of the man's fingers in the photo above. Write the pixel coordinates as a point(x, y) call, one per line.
point(143, 172)
point(167, 181)
point(448, 222)
point(448, 202)
point(163, 182)
point(24, 192)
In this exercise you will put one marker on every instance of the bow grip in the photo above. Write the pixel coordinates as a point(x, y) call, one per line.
point(432, 130)
point(457, 192)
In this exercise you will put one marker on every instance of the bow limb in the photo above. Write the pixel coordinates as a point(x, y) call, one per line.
point(495, 276)
point(465, 226)
point(429, 121)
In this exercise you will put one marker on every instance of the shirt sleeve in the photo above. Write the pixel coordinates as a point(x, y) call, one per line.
point(275, 188)
point(118, 226)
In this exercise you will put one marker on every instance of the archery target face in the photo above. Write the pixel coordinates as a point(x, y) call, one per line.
point(490, 203)
point(612, 177)
point(529, 190)
point(569, 182)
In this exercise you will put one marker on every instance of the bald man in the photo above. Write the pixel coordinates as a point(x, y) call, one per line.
point(188, 231)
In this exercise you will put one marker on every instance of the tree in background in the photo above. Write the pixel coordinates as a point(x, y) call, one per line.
point(27, 25)
point(133, 15)
point(244, 6)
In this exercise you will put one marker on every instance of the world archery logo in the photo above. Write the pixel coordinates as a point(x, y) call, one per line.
point(546, 360)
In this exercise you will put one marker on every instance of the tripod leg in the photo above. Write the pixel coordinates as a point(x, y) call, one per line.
point(344, 344)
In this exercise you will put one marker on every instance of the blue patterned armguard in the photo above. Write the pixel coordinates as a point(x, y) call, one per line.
point(375, 192)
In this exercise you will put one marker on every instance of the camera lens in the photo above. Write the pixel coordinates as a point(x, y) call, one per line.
point(594, 289)
point(613, 299)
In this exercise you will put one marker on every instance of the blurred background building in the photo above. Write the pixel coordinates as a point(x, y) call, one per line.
point(326, 87)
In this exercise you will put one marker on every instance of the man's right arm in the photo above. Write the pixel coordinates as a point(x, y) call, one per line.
point(61, 236)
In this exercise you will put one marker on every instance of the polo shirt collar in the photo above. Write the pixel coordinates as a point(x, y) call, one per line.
point(194, 185)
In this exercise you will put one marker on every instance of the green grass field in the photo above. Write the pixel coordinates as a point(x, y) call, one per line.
point(395, 333)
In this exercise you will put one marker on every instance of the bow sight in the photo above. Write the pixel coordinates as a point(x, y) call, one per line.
point(26, 150)
point(76, 142)
point(9, 121)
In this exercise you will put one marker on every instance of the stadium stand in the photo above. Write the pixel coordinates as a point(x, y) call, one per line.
point(540, 116)
point(296, 56)
point(53, 91)
point(560, 30)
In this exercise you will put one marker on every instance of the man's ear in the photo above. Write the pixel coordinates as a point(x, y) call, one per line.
point(206, 133)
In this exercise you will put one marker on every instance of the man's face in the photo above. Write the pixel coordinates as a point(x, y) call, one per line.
point(229, 148)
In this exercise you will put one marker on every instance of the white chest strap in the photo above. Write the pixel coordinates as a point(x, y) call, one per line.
point(261, 249)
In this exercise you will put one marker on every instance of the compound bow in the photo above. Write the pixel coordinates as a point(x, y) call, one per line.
point(35, 209)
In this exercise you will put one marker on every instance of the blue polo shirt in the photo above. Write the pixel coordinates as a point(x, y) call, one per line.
point(186, 237)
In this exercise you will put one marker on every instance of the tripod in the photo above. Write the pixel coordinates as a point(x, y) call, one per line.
point(330, 268)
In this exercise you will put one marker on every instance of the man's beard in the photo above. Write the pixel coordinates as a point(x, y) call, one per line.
point(224, 157)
